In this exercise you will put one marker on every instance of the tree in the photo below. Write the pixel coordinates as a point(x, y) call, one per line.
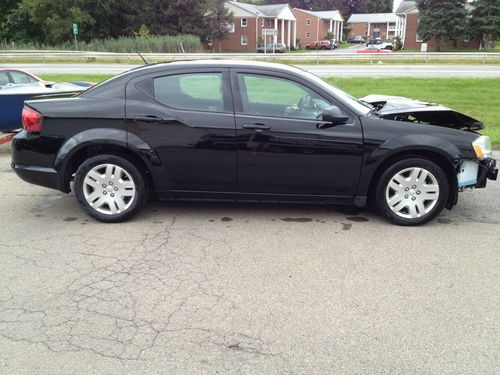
point(485, 22)
point(445, 20)
point(217, 19)
point(345, 7)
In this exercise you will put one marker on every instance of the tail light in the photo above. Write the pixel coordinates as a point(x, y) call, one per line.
point(32, 120)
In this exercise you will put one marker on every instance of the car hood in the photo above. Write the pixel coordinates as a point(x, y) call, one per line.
point(416, 111)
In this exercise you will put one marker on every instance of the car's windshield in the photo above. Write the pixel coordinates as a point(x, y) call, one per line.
point(361, 107)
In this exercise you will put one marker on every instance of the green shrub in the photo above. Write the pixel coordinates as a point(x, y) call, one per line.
point(147, 44)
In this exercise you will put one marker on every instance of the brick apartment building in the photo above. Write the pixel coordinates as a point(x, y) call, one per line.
point(402, 23)
point(313, 26)
point(249, 21)
point(375, 25)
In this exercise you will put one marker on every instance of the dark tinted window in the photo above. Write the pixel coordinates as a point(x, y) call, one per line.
point(196, 91)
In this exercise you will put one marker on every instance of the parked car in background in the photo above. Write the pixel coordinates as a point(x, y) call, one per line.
point(12, 97)
point(373, 49)
point(378, 42)
point(358, 39)
point(9, 77)
point(270, 48)
point(250, 131)
point(321, 45)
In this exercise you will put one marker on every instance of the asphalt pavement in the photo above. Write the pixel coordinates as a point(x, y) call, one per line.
point(245, 288)
point(378, 69)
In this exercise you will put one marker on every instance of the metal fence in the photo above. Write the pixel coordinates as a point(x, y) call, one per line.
point(43, 56)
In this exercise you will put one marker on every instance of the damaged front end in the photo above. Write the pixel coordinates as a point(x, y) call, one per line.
point(471, 173)
point(398, 108)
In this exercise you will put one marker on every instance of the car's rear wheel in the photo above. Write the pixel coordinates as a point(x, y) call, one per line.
point(412, 191)
point(109, 188)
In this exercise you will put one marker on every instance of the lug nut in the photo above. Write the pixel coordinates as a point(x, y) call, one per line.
point(413, 198)
point(406, 189)
point(116, 189)
point(418, 191)
point(406, 196)
point(105, 192)
point(103, 185)
point(110, 183)
point(112, 194)
point(414, 187)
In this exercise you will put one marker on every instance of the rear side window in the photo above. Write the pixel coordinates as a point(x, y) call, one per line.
point(193, 91)
point(19, 77)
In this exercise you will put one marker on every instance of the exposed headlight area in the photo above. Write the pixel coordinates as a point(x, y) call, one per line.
point(482, 147)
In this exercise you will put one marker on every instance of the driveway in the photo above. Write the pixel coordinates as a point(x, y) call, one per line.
point(239, 288)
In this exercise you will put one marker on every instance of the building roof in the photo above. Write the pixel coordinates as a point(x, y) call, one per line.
point(261, 10)
point(405, 6)
point(373, 17)
point(326, 15)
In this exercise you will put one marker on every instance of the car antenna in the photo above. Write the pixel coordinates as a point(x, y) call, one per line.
point(143, 59)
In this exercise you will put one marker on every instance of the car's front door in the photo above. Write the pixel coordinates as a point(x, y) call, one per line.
point(187, 117)
point(283, 147)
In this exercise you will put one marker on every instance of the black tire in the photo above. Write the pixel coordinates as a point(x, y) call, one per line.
point(133, 205)
point(434, 206)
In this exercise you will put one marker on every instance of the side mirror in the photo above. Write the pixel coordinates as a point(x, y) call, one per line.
point(334, 115)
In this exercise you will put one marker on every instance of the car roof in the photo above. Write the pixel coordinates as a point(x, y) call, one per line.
point(218, 64)
point(14, 69)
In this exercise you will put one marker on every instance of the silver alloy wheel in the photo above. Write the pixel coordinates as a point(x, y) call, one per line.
point(412, 193)
point(109, 189)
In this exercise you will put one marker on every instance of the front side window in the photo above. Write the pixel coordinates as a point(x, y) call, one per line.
point(244, 22)
point(308, 35)
point(192, 91)
point(244, 40)
point(308, 22)
point(277, 97)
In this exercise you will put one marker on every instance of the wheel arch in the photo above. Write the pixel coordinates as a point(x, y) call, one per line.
point(446, 164)
point(90, 143)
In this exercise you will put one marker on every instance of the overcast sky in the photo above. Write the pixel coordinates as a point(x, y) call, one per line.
point(396, 3)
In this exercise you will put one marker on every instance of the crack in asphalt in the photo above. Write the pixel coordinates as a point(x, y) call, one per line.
point(124, 298)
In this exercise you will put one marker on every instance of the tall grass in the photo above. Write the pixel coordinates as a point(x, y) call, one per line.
point(150, 44)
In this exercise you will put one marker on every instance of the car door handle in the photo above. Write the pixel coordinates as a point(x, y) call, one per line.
point(257, 126)
point(155, 119)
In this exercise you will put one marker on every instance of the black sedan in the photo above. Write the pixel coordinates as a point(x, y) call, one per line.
point(248, 131)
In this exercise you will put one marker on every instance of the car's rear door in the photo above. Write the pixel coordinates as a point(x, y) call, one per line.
point(283, 148)
point(187, 117)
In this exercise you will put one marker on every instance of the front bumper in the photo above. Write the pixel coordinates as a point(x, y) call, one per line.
point(487, 171)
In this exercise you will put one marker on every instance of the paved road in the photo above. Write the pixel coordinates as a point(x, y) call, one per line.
point(233, 288)
point(375, 70)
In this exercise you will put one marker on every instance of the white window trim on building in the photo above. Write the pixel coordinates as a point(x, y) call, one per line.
point(308, 35)
point(308, 22)
point(244, 22)
point(244, 40)
point(418, 39)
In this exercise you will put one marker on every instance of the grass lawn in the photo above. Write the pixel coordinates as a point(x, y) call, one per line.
point(476, 97)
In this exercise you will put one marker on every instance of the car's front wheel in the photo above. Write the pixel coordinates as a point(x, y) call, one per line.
point(412, 191)
point(110, 188)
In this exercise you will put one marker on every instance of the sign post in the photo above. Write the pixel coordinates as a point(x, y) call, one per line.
point(75, 33)
point(266, 33)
